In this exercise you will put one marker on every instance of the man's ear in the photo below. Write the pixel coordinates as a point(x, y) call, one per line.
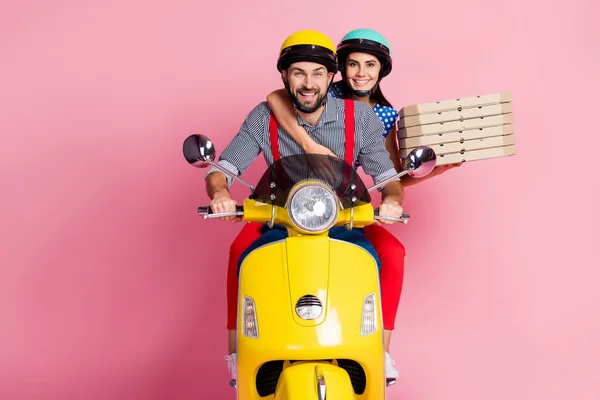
point(330, 75)
point(284, 76)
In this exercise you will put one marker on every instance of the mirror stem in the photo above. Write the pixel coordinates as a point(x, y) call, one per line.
point(229, 173)
point(388, 180)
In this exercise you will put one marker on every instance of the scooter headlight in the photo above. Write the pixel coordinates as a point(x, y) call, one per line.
point(313, 207)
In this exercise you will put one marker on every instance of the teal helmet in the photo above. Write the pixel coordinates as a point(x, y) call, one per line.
point(365, 41)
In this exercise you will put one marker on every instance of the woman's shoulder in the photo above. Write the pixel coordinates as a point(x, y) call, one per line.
point(335, 90)
point(388, 116)
point(386, 110)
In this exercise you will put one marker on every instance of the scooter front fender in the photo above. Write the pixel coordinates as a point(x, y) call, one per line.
point(314, 381)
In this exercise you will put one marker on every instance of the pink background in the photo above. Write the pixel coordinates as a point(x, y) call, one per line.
point(112, 287)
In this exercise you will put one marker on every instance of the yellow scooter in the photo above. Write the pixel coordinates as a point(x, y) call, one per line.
point(309, 311)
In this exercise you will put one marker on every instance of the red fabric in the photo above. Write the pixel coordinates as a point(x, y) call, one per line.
point(349, 133)
point(249, 233)
point(274, 137)
point(391, 253)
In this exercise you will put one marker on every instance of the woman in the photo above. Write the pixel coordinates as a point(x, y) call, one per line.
point(364, 59)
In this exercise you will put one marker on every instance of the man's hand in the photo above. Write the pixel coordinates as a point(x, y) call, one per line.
point(389, 208)
point(222, 202)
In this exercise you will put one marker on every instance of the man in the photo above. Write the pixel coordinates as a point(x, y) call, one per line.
point(307, 63)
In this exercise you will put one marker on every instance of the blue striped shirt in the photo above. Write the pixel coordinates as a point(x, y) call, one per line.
point(369, 142)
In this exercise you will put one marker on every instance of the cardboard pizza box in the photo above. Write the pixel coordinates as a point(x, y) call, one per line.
point(455, 115)
point(456, 104)
point(475, 155)
point(455, 126)
point(471, 134)
point(467, 145)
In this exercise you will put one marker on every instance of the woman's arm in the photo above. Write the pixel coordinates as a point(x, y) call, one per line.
point(392, 146)
point(281, 106)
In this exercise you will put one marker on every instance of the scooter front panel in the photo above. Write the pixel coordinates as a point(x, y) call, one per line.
point(340, 275)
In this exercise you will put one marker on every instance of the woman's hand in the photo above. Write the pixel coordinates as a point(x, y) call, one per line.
point(408, 180)
point(312, 147)
point(440, 169)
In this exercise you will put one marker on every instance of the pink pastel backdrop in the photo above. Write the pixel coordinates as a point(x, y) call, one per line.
point(112, 287)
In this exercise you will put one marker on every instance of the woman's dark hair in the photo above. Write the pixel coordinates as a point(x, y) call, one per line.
point(342, 89)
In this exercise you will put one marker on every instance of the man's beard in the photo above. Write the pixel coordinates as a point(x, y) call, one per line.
point(311, 105)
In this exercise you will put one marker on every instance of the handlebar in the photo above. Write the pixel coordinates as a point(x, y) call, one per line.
point(404, 218)
point(208, 212)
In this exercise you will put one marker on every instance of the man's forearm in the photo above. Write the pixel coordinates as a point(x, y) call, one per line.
point(393, 191)
point(216, 183)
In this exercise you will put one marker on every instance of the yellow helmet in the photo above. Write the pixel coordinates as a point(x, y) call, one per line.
point(308, 45)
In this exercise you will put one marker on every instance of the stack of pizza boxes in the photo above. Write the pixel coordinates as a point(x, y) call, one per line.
point(460, 130)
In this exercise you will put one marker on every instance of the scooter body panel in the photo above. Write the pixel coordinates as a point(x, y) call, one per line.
point(340, 275)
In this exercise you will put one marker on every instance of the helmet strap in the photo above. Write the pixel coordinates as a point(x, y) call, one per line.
point(362, 93)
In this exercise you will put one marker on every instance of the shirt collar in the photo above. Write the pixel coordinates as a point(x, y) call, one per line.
point(330, 113)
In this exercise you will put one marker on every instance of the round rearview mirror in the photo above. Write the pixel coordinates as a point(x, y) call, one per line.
point(199, 150)
point(420, 161)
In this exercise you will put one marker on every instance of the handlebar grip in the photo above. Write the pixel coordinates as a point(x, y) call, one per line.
point(404, 214)
point(207, 210)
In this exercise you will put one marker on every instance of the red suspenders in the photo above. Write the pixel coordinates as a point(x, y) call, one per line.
point(349, 125)
point(348, 143)
point(349, 134)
